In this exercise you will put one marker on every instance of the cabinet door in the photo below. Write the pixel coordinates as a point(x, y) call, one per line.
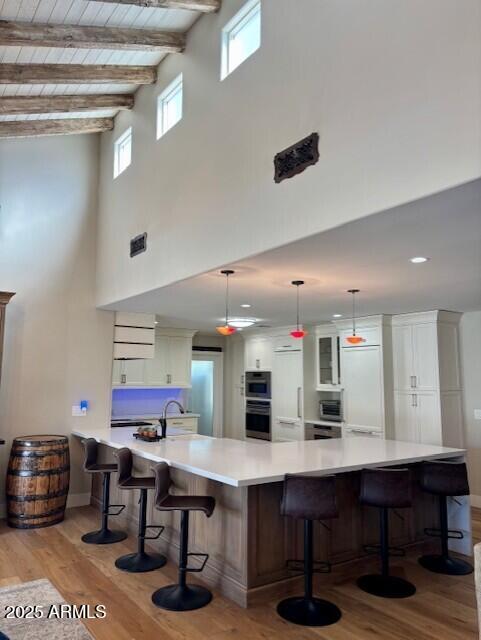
point(405, 417)
point(402, 338)
point(134, 371)
point(180, 362)
point(156, 370)
point(258, 354)
point(251, 363)
point(425, 355)
point(429, 418)
point(265, 354)
point(287, 385)
point(363, 387)
point(327, 362)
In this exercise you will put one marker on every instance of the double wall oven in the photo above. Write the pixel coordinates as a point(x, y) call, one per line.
point(258, 404)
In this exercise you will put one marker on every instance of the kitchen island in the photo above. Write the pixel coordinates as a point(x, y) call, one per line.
point(247, 539)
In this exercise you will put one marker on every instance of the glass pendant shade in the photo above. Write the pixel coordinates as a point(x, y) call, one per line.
point(298, 332)
point(354, 339)
point(226, 329)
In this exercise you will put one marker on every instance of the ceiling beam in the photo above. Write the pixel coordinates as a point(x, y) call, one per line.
point(27, 34)
point(15, 105)
point(204, 6)
point(76, 74)
point(31, 128)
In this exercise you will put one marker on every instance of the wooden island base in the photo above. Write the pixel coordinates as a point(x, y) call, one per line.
point(249, 542)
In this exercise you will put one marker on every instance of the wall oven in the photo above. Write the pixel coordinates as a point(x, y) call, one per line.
point(258, 384)
point(258, 419)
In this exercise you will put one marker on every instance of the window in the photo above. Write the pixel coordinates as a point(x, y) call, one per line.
point(169, 107)
point(241, 37)
point(123, 152)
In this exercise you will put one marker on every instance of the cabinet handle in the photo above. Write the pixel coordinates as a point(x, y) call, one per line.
point(413, 382)
point(414, 400)
point(242, 391)
point(299, 412)
point(169, 378)
point(123, 379)
point(258, 364)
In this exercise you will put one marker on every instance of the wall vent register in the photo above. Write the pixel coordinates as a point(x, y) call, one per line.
point(138, 245)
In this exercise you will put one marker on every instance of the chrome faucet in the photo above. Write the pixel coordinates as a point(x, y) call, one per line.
point(163, 419)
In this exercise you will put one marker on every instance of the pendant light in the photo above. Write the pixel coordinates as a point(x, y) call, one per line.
point(354, 339)
point(226, 329)
point(298, 333)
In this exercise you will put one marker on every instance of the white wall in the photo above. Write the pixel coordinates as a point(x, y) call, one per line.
point(392, 87)
point(58, 347)
point(471, 370)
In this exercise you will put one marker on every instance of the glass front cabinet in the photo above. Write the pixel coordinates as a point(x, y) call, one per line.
point(328, 371)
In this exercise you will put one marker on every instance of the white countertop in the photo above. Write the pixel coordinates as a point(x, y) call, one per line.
point(149, 416)
point(239, 463)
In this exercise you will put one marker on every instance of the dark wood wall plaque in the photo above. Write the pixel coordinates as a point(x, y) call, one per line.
point(296, 158)
point(138, 245)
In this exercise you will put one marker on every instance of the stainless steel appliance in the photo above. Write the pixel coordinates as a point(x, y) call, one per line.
point(322, 432)
point(258, 384)
point(258, 419)
point(330, 410)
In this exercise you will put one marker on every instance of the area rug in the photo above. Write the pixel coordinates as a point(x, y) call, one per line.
point(38, 598)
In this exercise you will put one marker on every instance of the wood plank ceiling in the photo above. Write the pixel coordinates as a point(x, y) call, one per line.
point(76, 63)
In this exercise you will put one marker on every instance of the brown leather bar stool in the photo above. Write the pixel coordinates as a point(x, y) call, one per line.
point(309, 498)
point(445, 479)
point(140, 561)
point(181, 596)
point(386, 489)
point(104, 535)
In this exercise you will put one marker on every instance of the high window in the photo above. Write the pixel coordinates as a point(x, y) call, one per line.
point(241, 37)
point(169, 107)
point(123, 152)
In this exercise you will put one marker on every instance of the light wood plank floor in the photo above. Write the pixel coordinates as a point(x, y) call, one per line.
point(442, 609)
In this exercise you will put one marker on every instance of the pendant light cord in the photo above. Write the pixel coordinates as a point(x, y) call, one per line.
point(227, 301)
point(353, 313)
point(297, 316)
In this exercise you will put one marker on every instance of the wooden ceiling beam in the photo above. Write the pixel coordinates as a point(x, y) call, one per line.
point(76, 74)
point(16, 105)
point(27, 34)
point(67, 126)
point(204, 6)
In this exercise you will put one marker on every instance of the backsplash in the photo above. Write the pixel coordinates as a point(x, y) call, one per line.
point(142, 402)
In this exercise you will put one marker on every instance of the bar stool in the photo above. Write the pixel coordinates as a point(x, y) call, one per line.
point(181, 596)
point(104, 535)
point(309, 498)
point(386, 489)
point(445, 479)
point(140, 561)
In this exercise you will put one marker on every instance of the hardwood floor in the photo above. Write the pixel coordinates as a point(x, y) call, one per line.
point(443, 608)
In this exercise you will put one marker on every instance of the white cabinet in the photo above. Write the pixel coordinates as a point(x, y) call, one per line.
point(327, 359)
point(363, 388)
point(427, 387)
point(185, 424)
point(287, 382)
point(258, 353)
point(170, 367)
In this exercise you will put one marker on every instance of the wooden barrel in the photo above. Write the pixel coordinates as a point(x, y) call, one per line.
point(37, 481)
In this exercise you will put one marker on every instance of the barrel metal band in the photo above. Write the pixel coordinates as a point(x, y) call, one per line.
point(38, 454)
point(45, 514)
point(47, 496)
point(27, 473)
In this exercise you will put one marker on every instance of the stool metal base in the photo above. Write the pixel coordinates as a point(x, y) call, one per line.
point(309, 612)
point(445, 564)
point(182, 598)
point(140, 562)
point(386, 586)
point(104, 536)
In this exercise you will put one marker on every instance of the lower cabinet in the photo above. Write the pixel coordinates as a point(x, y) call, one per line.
point(418, 417)
point(285, 430)
point(186, 424)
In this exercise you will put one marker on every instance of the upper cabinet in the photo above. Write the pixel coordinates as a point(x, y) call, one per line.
point(170, 367)
point(328, 370)
point(258, 353)
point(134, 335)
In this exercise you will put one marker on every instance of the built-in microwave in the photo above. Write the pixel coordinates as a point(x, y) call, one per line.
point(330, 410)
point(258, 384)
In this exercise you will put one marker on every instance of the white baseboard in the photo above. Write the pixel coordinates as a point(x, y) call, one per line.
point(475, 501)
point(78, 500)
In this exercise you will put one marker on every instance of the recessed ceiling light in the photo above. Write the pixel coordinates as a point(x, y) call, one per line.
point(337, 315)
point(241, 323)
point(418, 260)
point(246, 306)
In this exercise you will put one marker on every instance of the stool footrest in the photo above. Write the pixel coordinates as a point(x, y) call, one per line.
point(120, 508)
point(157, 535)
point(204, 556)
point(298, 566)
point(451, 533)
point(394, 552)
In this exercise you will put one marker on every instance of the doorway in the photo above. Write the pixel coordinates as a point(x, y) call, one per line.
point(207, 392)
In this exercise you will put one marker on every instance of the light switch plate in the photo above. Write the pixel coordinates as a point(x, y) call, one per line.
point(477, 414)
point(77, 411)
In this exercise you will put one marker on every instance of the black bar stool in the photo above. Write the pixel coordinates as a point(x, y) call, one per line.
point(104, 535)
point(445, 479)
point(386, 489)
point(181, 596)
point(309, 498)
point(140, 561)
